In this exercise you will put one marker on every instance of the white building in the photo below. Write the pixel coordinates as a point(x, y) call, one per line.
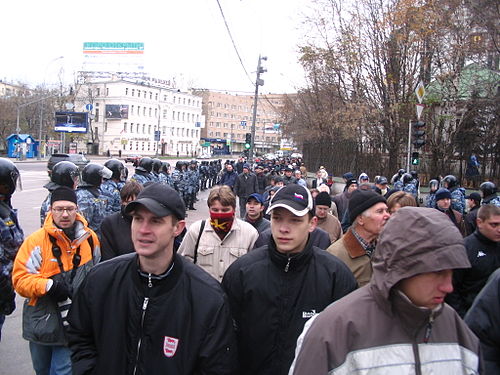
point(126, 113)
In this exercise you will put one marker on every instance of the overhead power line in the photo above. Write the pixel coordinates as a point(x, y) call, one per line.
point(234, 43)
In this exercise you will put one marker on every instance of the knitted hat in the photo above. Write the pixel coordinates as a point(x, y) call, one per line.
point(63, 193)
point(323, 199)
point(443, 194)
point(361, 200)
point(350, 182)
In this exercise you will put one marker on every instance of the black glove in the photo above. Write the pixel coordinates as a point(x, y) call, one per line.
point(59, 291)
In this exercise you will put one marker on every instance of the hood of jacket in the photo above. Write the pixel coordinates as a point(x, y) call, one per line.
point(415, 240)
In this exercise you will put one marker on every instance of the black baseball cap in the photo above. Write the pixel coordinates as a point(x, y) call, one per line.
point(475, 196)
point(295, 198)
point(161, 200)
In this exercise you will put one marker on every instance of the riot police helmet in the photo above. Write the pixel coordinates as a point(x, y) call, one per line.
point(118, 169)
point(407, 178)
point(9, 177)
point(449, 182)
point(488, 188)
point(93, 174)
point(65, 173)
point(145, 164)
point(156, 165)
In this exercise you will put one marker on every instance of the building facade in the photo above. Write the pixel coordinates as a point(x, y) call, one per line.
point(228, 117)
point(146, 117)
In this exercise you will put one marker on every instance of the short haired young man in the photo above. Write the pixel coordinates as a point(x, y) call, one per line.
point(152, 312)
point(223, 237)
point(483, 250)
point(49, 268)
point(255, 213)
point(398, 323)
point(444, 204)
point(274, 289)
point(473, 203)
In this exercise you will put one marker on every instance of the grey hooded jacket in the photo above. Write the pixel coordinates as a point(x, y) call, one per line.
point(377, 329)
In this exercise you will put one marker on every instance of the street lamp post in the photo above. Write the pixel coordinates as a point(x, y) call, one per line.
point(258, 82)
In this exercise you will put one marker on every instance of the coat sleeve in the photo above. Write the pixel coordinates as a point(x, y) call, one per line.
point(236, 185)
point(219, 349)
point(189, 242)
point(26, 276)
point(80, 332)
point(483, 318)
point(107, 240)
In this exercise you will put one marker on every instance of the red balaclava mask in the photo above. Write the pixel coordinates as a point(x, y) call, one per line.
point(221, 222)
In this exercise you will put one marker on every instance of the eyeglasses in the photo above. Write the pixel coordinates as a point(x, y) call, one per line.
point(60, 210)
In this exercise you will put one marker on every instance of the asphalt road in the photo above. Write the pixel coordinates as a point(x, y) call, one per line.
point(15, 358)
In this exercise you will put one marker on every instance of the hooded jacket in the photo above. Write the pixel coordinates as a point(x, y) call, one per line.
point(377, 329)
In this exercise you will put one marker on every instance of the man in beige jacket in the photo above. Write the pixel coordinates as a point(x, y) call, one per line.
point(368, 214)
point(326, 220)
point(215, 243)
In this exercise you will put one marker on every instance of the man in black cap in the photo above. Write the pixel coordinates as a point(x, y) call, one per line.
point(326, 220)
point(274, 289)
point(152, 312)
point(246, 184)
point(288, 178)
point(473, 203)
point(48, 270)
point(368, 214)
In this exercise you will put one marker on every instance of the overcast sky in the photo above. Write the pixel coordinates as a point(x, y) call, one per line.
point(183, 37)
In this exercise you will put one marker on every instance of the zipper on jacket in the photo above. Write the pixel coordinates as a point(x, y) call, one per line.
point(288, 264)
point(428, 329)
point(143, 314)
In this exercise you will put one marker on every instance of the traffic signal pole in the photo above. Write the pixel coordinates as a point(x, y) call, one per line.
point(409, 148)
point(258, 82)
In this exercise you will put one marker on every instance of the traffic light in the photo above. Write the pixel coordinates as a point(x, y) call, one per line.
point(418, 133)
point(415, 158)
point(248, 141)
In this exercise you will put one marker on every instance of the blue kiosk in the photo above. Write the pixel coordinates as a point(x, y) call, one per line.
point(21, 146)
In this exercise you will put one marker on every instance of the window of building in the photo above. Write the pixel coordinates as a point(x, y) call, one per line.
point(156, 96)
point(150, 112)
point(178, 116)
point(96, 118)
point(142, 146)
point(136, 146)
point(98, 91)
point(149, 129)
point(126, 90)
point(107, 91)
point(133, 92)
point(105, 126)
point(225, 135)
point(164, 98)
point(173, 115)
point(184, 101)
point(189, 101)
point(165, 113)
point(149, 146)
point(182, 132)
point(138, 110)
point(211, 134)
point(178, 132)
point(217, 134)
point(192, 133)
point(164, 130)
point(143, 128)
point(144, 110)
point(131, 109)
point(144, 94)
point(131, 127)
point(156, 112)
point(172, 130)
point(183, 116)
point(150, 95)
point(124, 127)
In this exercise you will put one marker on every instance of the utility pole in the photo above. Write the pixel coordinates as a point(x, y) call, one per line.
point(258, 82)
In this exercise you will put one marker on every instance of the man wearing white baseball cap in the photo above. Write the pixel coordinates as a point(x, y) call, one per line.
point(275, 289)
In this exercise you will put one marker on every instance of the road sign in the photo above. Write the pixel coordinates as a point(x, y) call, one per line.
point(420, 91)
point(157, 135)
point(243, 123)
point(420, 108)
point(89, 107)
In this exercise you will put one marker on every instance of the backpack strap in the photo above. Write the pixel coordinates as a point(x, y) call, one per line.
point(198, 242)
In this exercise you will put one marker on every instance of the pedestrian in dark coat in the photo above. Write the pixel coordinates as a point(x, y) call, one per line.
point(244, 186)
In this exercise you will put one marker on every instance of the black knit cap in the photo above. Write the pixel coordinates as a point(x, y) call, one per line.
point(361, 200)
point(63, 193)
point(323, 199)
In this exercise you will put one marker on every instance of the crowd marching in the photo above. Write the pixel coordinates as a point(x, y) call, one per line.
point(374, 277)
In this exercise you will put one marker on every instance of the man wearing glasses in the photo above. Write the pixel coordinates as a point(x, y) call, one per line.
point(49, 267)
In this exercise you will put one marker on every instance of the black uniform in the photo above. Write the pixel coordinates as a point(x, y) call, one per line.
point(273, 295)
point(484, 257)
point(125, 322)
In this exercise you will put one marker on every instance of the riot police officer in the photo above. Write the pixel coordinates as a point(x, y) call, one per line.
point(110, 187)
point(143, 171)
point(409, 185)
point(11, 236)
point(164, 176)
point(192, 179)
point(155, 172)
point(91, 202)
point(489, 192)
point(450, 182)
point(64, 173)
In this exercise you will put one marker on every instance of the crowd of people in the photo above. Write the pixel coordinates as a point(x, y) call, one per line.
point(309, 279)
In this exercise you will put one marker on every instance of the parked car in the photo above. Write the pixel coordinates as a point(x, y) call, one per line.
point(134, 159)
point(79, 159)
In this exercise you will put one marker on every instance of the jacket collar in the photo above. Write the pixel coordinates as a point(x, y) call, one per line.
point(483, 238)
point(293, 262)
point(82, 232)
point(353, 246)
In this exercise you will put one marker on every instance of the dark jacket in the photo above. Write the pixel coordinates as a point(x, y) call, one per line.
point(318, 237)
point(245, 185)
point(228, 178)
point(273, 295)
point(484, 256)
point(342, 202)
point(261, 183)
point(261, 225)
point(314, 183)
point(177, 323)
point(115, 236)
point(484, 319)
point(470, 220)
